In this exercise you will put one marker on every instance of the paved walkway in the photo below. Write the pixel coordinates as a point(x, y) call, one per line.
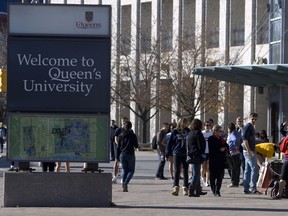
point(148, 196)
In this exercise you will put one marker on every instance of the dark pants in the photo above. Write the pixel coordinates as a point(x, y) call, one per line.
point(160, 170)
point(216, 177)
point(46, 165)
point(1, 144)
point(112, 149)
point(235, 173)
point(128, 166)
point(178, 160)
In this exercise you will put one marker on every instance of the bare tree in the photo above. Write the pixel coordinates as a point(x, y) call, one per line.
point(135, 86)
point(194, 95)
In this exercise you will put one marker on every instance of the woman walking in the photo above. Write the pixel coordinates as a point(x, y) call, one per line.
point(217, 157)
point(128, 142)
point(177, 147)
point(234, 141)
point(196, 148)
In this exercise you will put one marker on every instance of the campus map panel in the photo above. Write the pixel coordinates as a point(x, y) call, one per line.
point(81, 138)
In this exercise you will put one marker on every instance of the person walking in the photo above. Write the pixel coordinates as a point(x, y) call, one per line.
point(234, 141)
point(127, 143)
point(113, 128)
point(217, 158)
point(250, 155)
point(117, 151)
point(161, 146)
point(284, 169)
point(170, 157)
point(196, 148)
point(207, 132)
point(239, 128)
point(177, 146)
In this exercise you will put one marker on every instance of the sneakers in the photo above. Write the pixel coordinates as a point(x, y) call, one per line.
point(114, 180)
point(125, 188)
point(256, 192)
point(202, 180)
point(185, 191)
point(277, 197)
point(161, 178)
point(253, 192)
point(203, 193)
point(175, 191)
point(205, 182)
point(231, 185)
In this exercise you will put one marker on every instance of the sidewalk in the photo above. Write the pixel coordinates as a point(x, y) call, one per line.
point(148, 196)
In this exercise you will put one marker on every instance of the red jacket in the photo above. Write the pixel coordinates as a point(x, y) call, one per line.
point(284, 146)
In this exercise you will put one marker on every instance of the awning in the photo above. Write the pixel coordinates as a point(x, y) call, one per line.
point(252, 75)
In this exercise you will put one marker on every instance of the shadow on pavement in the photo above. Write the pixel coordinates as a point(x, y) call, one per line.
point(204, 208)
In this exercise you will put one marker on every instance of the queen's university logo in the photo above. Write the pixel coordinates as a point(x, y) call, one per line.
point(89, 16)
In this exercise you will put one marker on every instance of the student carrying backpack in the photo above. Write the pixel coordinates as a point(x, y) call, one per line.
point(154, 142)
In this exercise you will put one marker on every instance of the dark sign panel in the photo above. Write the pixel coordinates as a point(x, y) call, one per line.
point(58, 137)
point(59, 75)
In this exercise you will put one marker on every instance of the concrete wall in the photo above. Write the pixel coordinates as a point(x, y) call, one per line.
point(57, 189)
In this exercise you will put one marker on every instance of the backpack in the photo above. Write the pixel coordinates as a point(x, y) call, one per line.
point(154, 143)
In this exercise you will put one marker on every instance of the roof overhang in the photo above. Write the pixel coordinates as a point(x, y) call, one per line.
point(252, 75)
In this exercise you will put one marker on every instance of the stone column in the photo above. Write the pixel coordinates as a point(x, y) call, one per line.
point(135, 55)
point(155, 41)
point(250, 16)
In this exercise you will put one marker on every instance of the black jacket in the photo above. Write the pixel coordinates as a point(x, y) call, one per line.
point(217, 158)
point(128, 142)
point(196, 143)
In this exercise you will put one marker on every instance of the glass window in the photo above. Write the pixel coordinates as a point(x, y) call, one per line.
point(275, 8)
point(275, 53)
point(275, 30)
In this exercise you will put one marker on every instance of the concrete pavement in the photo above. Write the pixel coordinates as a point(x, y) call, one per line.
point(148, 196)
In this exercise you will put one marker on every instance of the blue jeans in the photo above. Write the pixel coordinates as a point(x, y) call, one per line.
point(195, 180)
point(128, 166)
point(1, 144)
point(251, 172)
point(160, 170)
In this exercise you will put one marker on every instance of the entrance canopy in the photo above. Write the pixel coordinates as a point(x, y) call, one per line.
point(252, 75)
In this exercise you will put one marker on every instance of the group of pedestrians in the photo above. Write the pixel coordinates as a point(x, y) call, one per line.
point(187, 145)
point(208, 149)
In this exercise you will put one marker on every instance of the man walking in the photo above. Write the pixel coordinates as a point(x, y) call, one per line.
point(161, 146)
point(117, 150)
point(251, 166)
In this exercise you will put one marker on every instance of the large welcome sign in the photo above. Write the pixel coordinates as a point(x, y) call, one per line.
point(59, 75)
point(58, 72)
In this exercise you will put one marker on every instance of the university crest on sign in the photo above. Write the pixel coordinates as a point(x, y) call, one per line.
point(89, 16)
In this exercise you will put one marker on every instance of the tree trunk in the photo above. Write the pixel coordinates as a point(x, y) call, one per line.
point(144, 131)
